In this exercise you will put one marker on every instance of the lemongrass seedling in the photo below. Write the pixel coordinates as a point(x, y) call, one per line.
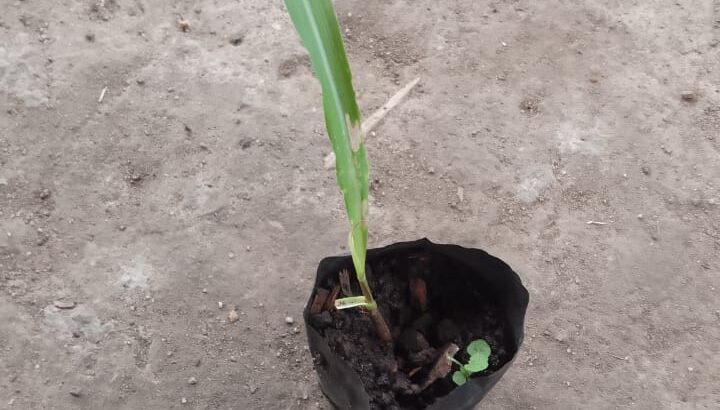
point(479, 351)
point(319, 31)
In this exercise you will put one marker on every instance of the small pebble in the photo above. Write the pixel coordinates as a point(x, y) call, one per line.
point(231, 255)
point(204, 290)
point(184, 25)
point(183, 400)
point(690, 369)
point(192, 381)
point(75, 392)
point(233, 316)
point(640, 216)
point(236, 40)
point(61, 304)
point(289, 320)
point(689, 96)
point(220, 305)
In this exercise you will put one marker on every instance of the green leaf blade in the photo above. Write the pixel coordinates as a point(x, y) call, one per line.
point(319, 31)
point(459, 378)
point(476, 364)
point(479, 348)
point(350, 302)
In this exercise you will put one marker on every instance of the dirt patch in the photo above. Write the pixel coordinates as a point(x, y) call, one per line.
point(290, 66)
point(530, 105)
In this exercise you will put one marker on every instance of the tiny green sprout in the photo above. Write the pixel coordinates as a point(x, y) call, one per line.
point(479, 351)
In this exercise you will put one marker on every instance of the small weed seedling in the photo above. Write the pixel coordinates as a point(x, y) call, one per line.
point(479, 351)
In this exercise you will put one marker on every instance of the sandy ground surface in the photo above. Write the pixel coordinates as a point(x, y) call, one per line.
point(199, 179)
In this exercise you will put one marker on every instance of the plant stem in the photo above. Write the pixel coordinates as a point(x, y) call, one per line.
point(452, 359)
point(381, 327)
point(367, 302)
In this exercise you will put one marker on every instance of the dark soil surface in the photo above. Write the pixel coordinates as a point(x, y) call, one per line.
point(460, 308)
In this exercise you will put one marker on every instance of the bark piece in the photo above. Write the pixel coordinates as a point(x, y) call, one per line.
point(345, 282)
point(418, 293)
point(321, 296)
point(442, 365)
point(330, 302)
